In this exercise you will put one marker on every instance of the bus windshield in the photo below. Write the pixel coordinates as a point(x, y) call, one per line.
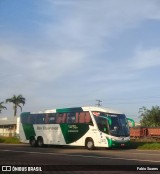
point(113, 124)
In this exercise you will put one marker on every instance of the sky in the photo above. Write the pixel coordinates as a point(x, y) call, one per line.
point(71, 53)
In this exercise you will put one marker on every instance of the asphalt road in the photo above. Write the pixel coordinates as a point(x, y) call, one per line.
point(80, 159)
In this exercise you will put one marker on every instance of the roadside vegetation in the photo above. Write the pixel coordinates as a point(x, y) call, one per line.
point(16, 101)
point(150, 117)
point(145, 144)
point(9, 140)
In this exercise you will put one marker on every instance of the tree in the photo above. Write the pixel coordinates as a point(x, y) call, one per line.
point(2, 107)
point(150, 118)
point(16, 100)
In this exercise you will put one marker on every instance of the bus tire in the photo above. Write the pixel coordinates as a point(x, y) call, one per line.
point(89, 144)
point(33, 142)
point(40, 142)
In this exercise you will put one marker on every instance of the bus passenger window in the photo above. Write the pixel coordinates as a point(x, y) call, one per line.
point(46, 119)
point(88, 117)
point(59, 118)
point(39, 119)
point(25, 119)
point(32, 119)
point(82, 117)
point(71, 118)
point(77, 116)
point(64, 115)
point(52, 118)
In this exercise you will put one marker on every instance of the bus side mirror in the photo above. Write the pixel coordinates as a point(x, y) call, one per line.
point(108, 118)
point(132, 121)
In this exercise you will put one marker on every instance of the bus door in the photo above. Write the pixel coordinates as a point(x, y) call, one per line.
point(102, 125)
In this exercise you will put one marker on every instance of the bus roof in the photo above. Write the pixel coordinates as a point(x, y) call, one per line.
point(101, 109)
point(79, 109)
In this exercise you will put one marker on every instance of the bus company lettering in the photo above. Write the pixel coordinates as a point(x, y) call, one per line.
point(72, 127)
point(46, 128)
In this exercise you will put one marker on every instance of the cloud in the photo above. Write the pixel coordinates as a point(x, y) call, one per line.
point(69, 57)
point(146, 58)
point(39, 64)
point(88, 24)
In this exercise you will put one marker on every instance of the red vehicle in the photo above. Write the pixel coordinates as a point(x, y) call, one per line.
point(141, 132)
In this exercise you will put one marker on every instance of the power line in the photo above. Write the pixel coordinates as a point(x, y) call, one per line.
point(136, 98)
point(99, 103)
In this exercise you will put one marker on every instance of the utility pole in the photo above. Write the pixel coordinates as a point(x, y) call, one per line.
point(99, 103)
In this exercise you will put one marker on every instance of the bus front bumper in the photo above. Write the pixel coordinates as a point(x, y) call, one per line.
point(115, 143)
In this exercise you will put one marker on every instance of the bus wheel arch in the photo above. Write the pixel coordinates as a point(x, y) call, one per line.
point(89, 143)
point(40, 141)
point(33, 141)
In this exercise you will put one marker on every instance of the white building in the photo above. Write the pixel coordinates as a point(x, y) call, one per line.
point(8, 126)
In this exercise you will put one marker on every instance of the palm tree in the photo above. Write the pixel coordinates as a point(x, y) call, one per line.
point(2, 107)
point(16, 100)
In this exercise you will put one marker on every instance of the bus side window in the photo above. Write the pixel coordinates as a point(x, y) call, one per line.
point(64, 116)
point(37, 121)
point(28, 121)
point(52, 118)
point(71, 117)
point(88, 118)
point(39, 118)
point(59, 118)
point(32, 119)
point(24, 119)
point(82, 117)
point(77, 117)
point(46, 118)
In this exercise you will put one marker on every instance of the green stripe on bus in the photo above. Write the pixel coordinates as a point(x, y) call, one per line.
point(78, 109)
point(73, 132)
point(28, 130)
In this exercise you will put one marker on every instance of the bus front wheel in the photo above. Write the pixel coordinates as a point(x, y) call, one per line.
point(40, 142)
point(90, 144)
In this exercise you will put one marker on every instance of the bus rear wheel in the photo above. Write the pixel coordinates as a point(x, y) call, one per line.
point(33, 142)
point(90, 144)
point(40, 142)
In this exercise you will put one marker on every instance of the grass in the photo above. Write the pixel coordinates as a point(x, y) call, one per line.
point(9, 140)
point(145, 145)
point(149, 146)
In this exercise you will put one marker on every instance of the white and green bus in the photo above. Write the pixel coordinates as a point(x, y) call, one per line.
point(79, 126)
